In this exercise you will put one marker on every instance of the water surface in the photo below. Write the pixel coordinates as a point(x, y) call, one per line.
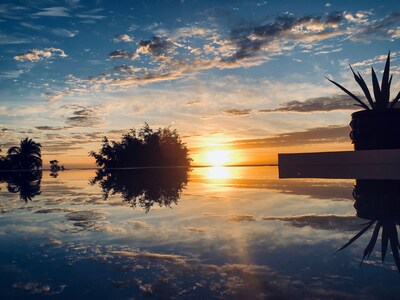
point(212, 233)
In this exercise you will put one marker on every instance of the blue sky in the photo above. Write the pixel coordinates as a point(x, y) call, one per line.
point(244, 75)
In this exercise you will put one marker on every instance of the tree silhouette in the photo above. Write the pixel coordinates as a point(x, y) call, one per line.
point(25, 157)
point(144, 187)
point(27, 184)
point(145, 148)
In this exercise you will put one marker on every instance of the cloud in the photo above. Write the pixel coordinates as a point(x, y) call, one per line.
point(317, 135)
point(237, 112)
point(241, 218)
point(150, 256)
point(157, 46)
point(38, 54)
point(124, 54)
point(85, 117)
point(122, 38)
point(367, 29)
point(92, 15)
point(37, 288)
point(337, 102)
point(11, 74)
point(32, 26)
point(64, 32)
point(128, 69)
point(52, 128)
point(57, 11)
point(271, 37)
point(324, 222)
point(13, 40)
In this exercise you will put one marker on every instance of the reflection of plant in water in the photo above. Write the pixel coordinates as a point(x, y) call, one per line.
point(144, 187)
point(377, 201)
point(27, 184)
point(389, 235)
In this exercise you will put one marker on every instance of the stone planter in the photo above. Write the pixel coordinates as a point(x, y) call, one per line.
point(375, 129)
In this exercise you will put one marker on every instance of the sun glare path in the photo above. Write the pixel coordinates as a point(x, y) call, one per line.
point(218, 157)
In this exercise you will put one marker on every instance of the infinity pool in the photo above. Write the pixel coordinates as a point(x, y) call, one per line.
point(223, 233)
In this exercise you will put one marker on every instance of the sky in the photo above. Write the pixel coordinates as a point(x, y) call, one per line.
point(243, 77)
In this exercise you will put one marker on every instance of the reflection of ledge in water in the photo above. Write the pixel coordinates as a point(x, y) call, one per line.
point(367, 164)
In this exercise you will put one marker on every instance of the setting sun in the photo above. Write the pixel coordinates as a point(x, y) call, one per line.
point(218, 157)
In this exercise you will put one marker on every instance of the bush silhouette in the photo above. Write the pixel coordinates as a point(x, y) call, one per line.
point(145, 148)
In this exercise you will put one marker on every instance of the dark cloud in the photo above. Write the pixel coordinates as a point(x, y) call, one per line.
point(157, 46)
point(339, 102)
point(324, 222)
point(122, 54)
point(52, 128)
point(237, 112)
point(85, 117)
point(84, 121)
point(318, 135)
point(251, 40)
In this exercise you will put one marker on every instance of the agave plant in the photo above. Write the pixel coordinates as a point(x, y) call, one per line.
point(389, 236)
point(381, 93)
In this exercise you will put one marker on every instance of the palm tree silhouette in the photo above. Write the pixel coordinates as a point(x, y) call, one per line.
point(27, 156)
point(27, 184)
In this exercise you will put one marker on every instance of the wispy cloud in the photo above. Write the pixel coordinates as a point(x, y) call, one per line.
point(13, 40)
point(52, 128)
point(338, 102)
point(237, 112)
point(39, 54)
point(324, 222)
point(64, 32)
point(317, 135)
point(57, 11)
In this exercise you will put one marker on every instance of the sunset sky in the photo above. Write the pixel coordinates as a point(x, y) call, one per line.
point(245, 78)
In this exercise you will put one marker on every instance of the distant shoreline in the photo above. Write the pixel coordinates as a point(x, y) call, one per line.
point(153, 167)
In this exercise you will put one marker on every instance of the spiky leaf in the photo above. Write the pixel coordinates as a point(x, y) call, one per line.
point(394, 101)
point(363, 86)
point(377, 90)
point(385, 239)
point(385, 83)
point(372, 242)
point(393, 244)
point(350, 94)
point(356, 236)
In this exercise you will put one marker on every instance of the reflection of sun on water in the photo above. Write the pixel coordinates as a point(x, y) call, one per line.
point(218, 173)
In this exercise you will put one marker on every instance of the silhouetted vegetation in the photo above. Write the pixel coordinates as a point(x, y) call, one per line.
point(381, 93)
point(26, 156)
point(145, 148)
point(378, 202)
point(26, 183)
point(144, 187)
point(55, 168)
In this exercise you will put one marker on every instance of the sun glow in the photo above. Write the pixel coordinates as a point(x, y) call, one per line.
point(218, 157)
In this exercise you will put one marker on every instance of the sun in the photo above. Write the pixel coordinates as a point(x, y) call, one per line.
point(218, 157)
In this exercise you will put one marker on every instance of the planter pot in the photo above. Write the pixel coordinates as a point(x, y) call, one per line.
point(375, 129)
